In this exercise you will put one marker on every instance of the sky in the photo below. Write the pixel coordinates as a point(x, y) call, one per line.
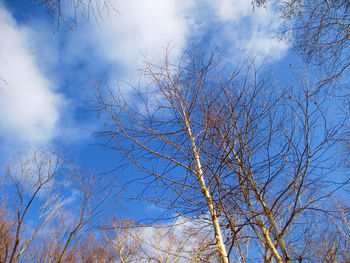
point(47, 70)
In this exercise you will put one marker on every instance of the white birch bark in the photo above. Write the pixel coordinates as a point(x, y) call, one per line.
point(205, 190)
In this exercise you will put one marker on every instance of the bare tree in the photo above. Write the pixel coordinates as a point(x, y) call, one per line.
point(26, 179)
point(162, 127)
point(41, 210)
point(96, 249)
point(234, 150)
point(320, 33)
point(6, 237)
point(122, 242)
point(66, 232)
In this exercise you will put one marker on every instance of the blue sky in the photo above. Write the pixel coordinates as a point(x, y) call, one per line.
point(47, 71)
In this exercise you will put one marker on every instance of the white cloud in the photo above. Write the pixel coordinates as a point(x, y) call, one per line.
point(264, 40)
point(231, 10)
point(29, 103)
point(116, 43)
point(250, 29)
point(142, 29)
point(185, 240)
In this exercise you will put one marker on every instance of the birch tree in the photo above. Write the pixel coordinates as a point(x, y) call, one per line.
point(232, 149)
point(164, 126)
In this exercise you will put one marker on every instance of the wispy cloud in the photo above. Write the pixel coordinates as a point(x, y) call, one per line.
point(116, 44)
point(143, 29)
point(244, 28)
point(182, 241)
point(29, 102)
